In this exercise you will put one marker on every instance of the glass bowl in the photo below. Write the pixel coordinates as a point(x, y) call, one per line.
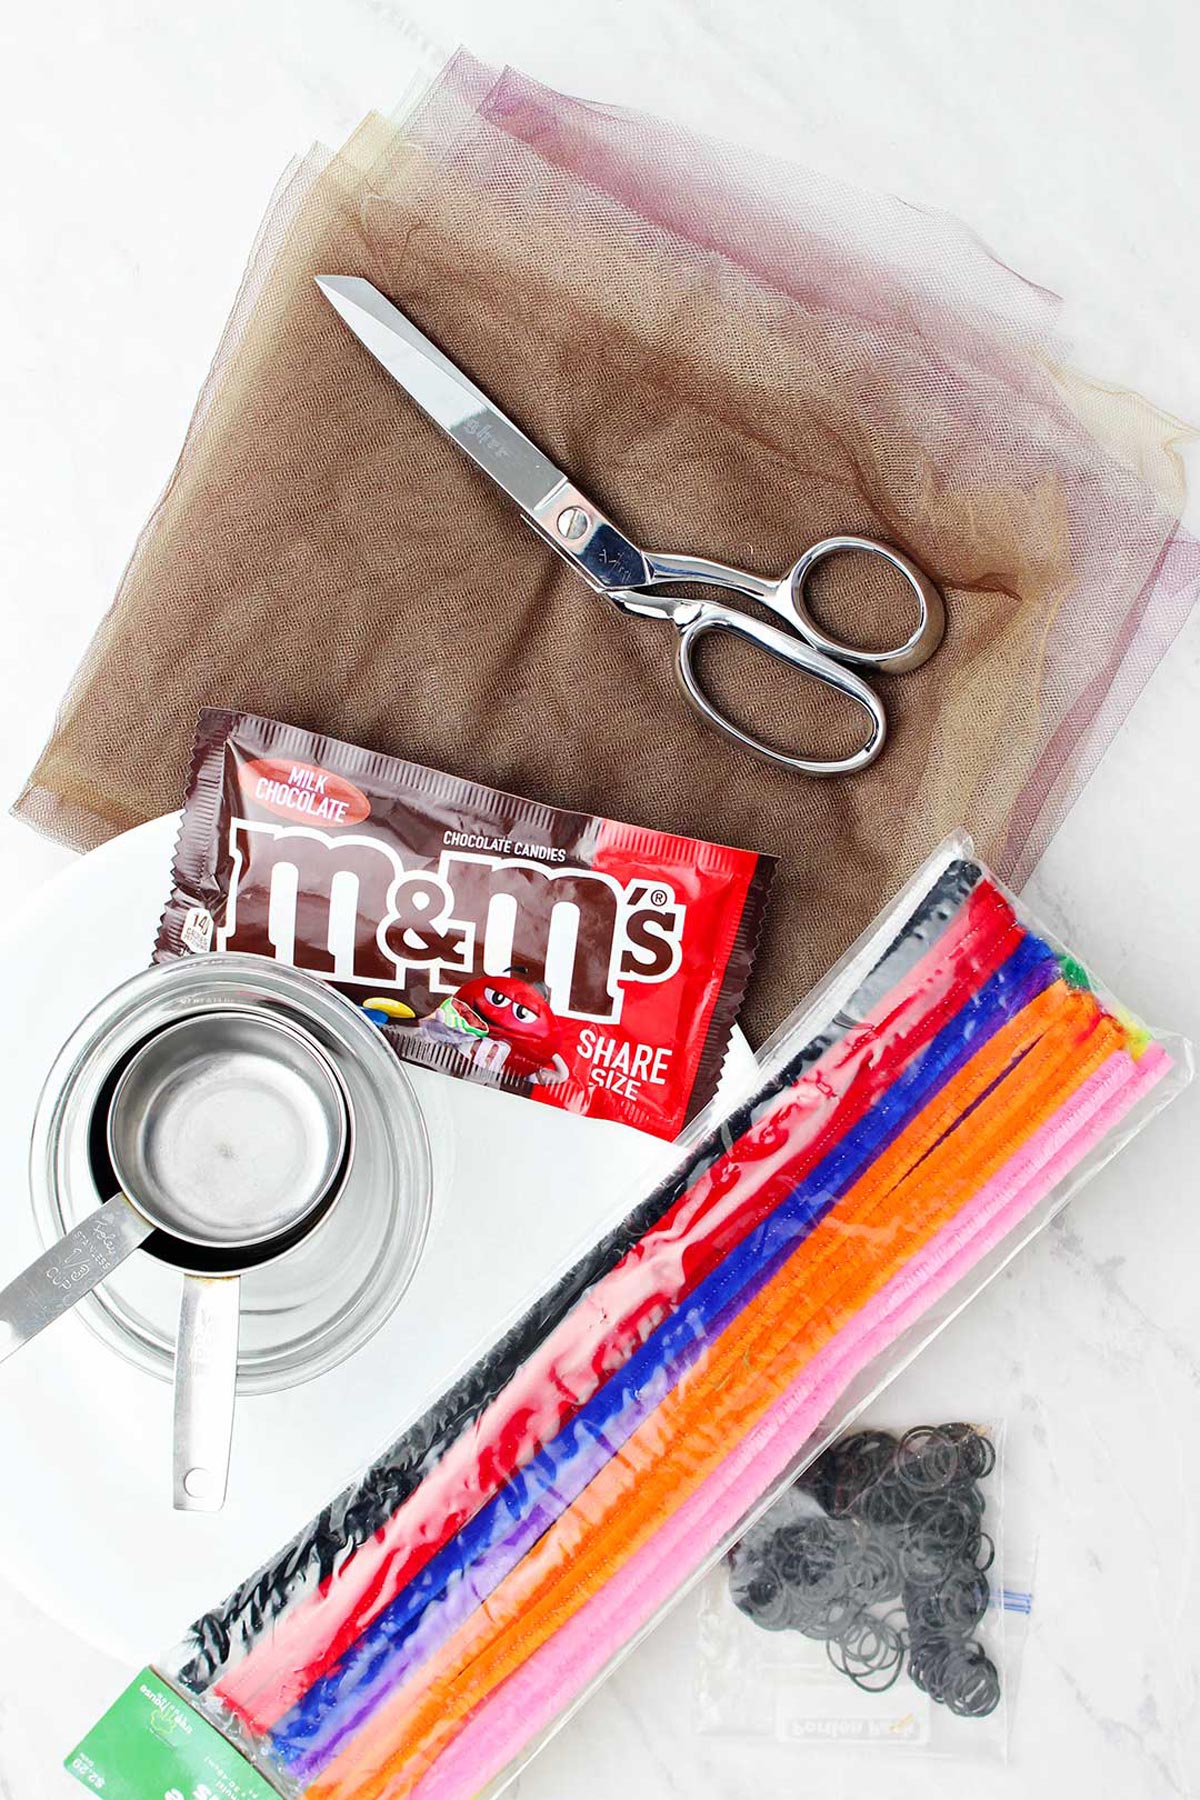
point(319, 1302)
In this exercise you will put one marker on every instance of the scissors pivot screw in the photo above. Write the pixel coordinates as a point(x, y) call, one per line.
point(572, 522)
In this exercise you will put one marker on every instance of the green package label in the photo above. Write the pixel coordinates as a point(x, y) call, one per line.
point(150, 1745)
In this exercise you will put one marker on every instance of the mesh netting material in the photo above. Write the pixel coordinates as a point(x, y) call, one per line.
point(733, 357)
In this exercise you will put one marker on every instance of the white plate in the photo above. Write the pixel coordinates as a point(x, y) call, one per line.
point(86, 1526)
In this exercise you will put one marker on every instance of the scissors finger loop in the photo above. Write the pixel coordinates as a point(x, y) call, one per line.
point(703, 618)
point(925, 636)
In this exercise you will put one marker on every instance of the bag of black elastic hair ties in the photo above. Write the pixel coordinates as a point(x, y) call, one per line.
point(879, 1551)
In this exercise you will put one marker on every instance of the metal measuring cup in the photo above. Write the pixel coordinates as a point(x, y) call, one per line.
point(232, 1133)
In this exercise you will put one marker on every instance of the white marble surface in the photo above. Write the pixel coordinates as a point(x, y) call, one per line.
point(139, 145)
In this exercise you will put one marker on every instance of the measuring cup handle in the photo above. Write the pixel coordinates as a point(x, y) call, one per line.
point(68, 1270)
point(206, 1359)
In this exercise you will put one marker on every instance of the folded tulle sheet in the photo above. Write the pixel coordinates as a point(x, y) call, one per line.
point(934, 1102)
point(735, 357)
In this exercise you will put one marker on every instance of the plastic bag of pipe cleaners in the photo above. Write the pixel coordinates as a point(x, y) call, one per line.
point(925, 1111)
point(879, 1603)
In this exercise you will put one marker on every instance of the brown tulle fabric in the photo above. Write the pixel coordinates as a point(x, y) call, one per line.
point(732, 357)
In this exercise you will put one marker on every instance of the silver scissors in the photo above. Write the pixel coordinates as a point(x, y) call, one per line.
point(610, 564)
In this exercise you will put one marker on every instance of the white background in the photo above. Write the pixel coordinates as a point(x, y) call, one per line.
point(139, 145)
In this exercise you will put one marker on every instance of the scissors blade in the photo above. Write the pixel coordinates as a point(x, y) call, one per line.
point(443, 392)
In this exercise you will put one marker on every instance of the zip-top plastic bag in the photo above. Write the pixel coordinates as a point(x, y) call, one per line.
point(879, 1605)
point(933, 1103)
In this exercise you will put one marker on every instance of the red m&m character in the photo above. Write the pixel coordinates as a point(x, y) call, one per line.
point(515, 1012)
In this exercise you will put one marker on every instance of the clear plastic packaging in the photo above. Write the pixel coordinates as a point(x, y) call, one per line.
point(877, 1604)
point(925, 1112)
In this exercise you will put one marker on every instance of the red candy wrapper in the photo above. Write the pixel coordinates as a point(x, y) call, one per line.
point(593, 966)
